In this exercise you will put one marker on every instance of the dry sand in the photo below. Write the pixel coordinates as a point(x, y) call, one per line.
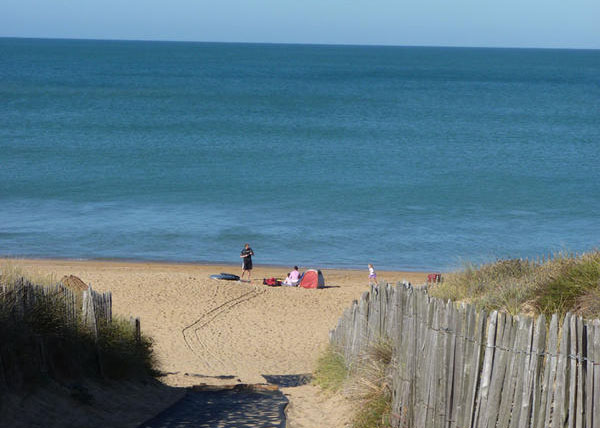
point(203, 328)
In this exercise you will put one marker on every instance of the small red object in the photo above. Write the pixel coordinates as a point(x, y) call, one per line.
point(434, 277)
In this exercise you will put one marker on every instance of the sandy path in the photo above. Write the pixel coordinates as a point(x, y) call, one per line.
point(310, 407)
point(213, 328)
point(224, 409)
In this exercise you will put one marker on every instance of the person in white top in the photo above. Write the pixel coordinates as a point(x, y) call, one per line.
point(372, 275)
point(292, 278)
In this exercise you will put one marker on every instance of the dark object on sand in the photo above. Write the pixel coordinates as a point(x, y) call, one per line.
point(272, 282)
point(226, 277)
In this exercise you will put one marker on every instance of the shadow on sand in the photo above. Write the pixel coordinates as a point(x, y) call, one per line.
point(232, 408)
point(287, 381)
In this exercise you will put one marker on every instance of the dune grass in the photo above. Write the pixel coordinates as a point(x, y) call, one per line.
point(563, 283)
point(123, 356)
point(370, 385)
point(367, 383)
point(11, 272)
point(331, 370)
point(41, 343)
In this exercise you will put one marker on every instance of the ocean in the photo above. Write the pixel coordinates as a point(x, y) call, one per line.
point(416, 158)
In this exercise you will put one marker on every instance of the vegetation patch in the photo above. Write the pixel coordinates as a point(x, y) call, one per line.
point(563, 283)
point(370, 386)
point(123, 356)
point(367, 383)
point(331, 370)
point(374, 412)
point(40, 343)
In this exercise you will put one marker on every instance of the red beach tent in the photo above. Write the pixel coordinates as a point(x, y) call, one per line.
point(312, 279)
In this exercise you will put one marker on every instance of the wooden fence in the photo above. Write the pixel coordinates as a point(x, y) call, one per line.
point(90, 307)
point(456, 367)
point(41, 352)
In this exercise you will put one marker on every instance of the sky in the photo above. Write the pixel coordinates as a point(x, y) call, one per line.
point(506, 23)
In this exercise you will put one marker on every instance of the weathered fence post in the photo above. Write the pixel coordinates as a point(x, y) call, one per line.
point(88, 312)
point(561, 399)
point(3, 383)
point(136, 328)
point(456, 368)
point(595, 407)
point(531, 398)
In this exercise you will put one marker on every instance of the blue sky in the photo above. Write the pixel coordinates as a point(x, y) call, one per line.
point(518, 23)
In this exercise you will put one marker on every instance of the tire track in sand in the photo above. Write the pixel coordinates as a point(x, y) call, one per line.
point(191, 331)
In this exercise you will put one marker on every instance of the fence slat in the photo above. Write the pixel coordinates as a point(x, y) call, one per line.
point(474, 372)
point(589, 374)
point(550, 374)
point(505, 333)
point(523, 350)
point(580, 419)
point(486, 374)
point(561, 400)
point(452, 320)
point(456, 368)
point(459, 360)
point(572, 379)
point(529, 417)
point(595, 408)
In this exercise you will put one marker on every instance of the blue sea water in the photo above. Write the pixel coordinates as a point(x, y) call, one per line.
point(405, 157)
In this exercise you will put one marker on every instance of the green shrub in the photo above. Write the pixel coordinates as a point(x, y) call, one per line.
point(561, 284)
point(576, 279)
point(122, 355)
point(331, 370)
point(367, 383)
point(509, 295)
point(374, 412)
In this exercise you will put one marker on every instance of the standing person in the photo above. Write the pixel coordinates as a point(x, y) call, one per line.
point(246, 256)
point(372, 275)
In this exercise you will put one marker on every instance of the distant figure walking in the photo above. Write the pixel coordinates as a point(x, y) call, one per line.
point(246, 256)
point(372, 276)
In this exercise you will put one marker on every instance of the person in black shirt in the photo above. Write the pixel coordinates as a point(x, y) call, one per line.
point(246, 256)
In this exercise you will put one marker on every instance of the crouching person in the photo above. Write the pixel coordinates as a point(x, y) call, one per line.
point(292, 278)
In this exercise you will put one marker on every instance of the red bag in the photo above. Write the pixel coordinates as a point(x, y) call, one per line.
point(271, 282)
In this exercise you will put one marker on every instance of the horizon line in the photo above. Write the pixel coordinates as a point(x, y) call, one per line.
point(295, 43)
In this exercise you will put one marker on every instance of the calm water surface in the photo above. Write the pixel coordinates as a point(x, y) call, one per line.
point(413, 158)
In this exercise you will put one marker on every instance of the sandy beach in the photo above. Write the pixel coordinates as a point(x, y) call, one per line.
point(222, 332)
point(205, 327)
